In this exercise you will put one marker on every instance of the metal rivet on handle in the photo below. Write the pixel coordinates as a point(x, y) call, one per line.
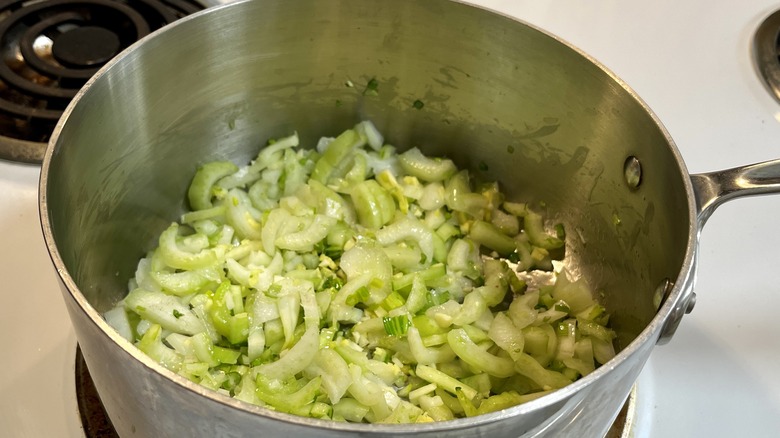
point(662, 292)
point(691, 303)
point(632, 172)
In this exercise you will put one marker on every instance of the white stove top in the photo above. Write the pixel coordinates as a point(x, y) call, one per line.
point(690, 61)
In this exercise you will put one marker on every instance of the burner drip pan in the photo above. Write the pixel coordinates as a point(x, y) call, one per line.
point(50, 48)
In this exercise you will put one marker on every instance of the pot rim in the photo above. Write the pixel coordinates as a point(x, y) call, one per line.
point(649, 334)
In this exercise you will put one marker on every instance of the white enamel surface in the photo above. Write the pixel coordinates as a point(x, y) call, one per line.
point(690, 61)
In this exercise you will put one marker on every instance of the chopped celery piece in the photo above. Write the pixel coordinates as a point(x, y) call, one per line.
point(427, 169)
point(490, 236)
point(337, 150)
point(201, 188)
point(274, 395)
point(547, 379)
point(426, 355)
point(504, 333)
point(350, 409)
point(536, 234)
point(444, 381)
point(334, 372)
point(165, 310)
point(577, 295)
point(478, 358)
point(374, 205)
point(305, 240)
point(353, 283)
point(298, 357)
point(152, 345)
point(176, 257)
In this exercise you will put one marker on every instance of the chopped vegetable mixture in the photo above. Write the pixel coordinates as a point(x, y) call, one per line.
point(355, 283)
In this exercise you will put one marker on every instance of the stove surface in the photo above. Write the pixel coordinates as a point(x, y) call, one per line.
point(50, 48)
point(691, 62)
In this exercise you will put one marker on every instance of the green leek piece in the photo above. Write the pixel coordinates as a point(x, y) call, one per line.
point(393, 300)
point(396, 325)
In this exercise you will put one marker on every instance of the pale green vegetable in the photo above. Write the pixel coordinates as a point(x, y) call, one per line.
point(201, 189)
point(425, 168)
point(353, 283)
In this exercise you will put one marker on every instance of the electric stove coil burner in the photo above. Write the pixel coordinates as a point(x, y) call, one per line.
point(50, 48)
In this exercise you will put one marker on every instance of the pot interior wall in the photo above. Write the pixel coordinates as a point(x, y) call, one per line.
point(501, 98)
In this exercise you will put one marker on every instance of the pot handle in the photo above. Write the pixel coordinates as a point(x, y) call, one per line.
point(710, 191)
point(714, 188)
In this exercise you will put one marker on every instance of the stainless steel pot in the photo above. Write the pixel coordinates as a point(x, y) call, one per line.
point(544, 119)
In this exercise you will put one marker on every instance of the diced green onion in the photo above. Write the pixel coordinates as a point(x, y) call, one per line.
point(396, 325)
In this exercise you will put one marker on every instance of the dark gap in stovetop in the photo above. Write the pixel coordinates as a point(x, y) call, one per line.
point(93, 415)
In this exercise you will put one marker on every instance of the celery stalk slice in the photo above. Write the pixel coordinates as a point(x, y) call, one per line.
point(200, 191)
point(478, 358)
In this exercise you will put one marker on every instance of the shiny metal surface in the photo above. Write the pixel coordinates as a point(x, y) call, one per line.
point(548, 123)
point(766, 53)
point(715, 188)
